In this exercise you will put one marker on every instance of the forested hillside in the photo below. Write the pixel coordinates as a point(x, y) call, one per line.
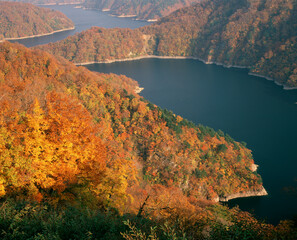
point(150, 10)
point(257, 34)
point(82, 156)
point(21, 20)
point(71, 113)
point(48, 2)
point(141, 9)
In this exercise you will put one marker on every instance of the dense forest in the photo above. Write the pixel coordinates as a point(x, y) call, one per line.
point(107, 115)
point(48, 2)
point(260, 35)
point(141, 9)
point(21, 20)
point(78, 143)
point(83, 156)
point(149, 10)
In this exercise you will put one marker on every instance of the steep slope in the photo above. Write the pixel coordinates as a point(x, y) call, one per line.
point(142, 9)
point(258, 34)
point(165, 149)
point(22, 20)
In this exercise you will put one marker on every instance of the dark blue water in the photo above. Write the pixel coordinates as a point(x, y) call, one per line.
point(83, 20)
point(249, 108)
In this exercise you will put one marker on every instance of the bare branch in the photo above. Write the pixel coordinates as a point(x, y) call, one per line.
point(142, 207)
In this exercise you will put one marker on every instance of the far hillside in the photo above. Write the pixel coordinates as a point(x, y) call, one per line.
point(257, 34)
point(22, 20)
point(49, 2)
point(150, 10)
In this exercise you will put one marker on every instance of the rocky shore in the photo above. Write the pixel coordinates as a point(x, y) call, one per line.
point(260, 192)
point(138, 89)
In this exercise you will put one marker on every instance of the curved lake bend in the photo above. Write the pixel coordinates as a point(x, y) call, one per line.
point(83, 20)
point(249, 108)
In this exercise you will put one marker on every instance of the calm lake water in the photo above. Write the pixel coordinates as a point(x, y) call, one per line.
point(83, 20)
point(249, 108)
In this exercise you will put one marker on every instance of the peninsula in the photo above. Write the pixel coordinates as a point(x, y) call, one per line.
point(135, 124)
point(87, 140)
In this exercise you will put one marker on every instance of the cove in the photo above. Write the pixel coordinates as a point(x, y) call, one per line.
point(83, 20)
point(249, 108)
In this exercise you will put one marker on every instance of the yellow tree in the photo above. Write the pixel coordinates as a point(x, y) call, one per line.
point(38, 149)
point(79, 155)
point(25, 154)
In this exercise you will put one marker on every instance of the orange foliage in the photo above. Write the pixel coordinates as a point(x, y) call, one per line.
point(80, 111)
point(260, 35)
point(144, 9)
point(25, 20)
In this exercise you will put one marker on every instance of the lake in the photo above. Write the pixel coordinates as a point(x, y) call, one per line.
point(83, 20)
point(249, 108)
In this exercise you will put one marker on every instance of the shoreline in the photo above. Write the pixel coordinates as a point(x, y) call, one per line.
point(134, 59)
point(261, 76)
point(261, 192)
point(193, 58)
point(271, 79)
point(38, 35)
point(125, 16)
point(289, 88)
point(150, 20)
point(60, 4)
point(138, 89)
point(255, 193)
point(106, 10)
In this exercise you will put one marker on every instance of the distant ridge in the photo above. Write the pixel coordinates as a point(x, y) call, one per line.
point(149, 10)
point(260, 35)
point(23, 20)
point(48, 2)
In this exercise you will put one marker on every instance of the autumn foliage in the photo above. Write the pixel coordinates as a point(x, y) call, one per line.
point(71, 137)
point(259, 35)
point(67, 132)
point(100, 45)
point(49, 154)
point(143, 10)
point(24, 20)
